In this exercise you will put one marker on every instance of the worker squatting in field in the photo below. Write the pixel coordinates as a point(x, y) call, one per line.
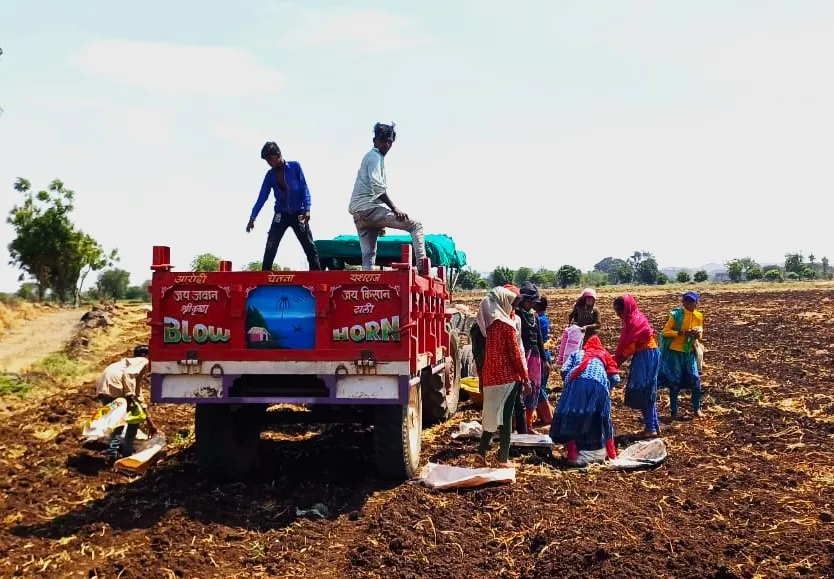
point(123, 379)
point(582, 419)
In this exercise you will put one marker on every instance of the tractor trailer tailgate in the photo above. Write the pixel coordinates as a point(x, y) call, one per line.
point(318, 337)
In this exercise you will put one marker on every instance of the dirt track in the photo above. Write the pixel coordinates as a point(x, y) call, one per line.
point(747, 492)
point(33, 340)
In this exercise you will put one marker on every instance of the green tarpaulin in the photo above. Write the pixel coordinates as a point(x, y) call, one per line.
point(440, 248)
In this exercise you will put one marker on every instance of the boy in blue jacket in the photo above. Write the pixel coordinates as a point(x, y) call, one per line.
point(292, 206)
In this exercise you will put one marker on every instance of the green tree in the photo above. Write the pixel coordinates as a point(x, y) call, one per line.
point(683, 277)
point(47, 247)
point(794, 263)
point(138, 293)
point(522, 274)
point(594, 279)
point(251, 266)
point(662, 279)
point(568, 275)
point(609, 264)
point(824, 266)
point(113, 283)
point(808, 272)
point(468, 279)
point(625, 274)
point(544, 278)
point(755, 272)
point(501, 276)
point(773, 275)
point(647, 271)
point(205, 262)
point(701, 276)
point(735, 271)
point(28, 291)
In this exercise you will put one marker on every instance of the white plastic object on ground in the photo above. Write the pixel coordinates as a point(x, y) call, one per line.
point(641, 454)
point(140, 462)
point(443, 476)
point(473, 430)
point(105, 420)
point(531, 440)
point(470, 430)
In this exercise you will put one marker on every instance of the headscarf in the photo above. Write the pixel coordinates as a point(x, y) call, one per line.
point(593, 349)
point(529, 291)
point(495, 307)
point(692, 296)
point(586, 293)
point(636, 326)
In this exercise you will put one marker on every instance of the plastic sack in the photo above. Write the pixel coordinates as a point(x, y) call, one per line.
point(105, 420)
point(443, 476)
point(698, 348)
point(139, 462)
point(646, 453)
point(572, 338)
point(470, 430)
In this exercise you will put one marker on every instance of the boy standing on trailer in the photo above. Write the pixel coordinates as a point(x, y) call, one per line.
point(372, 208)
point(292, 206)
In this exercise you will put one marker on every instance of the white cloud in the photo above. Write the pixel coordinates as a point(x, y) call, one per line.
point(179, 70)
point(363, 29)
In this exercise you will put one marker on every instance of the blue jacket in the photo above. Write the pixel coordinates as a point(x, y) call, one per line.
point(295, 200)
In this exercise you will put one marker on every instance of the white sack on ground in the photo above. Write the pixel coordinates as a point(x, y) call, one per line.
point(641, 454)
point(443, 476)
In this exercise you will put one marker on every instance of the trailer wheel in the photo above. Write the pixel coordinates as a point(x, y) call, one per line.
point(467, 361)
point(397, 436)
point(227, 439)
point(441, 393)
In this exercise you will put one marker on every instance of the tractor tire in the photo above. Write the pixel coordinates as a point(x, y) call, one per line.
point(441, 392)
point(227, 439)
point(397, 437)
point(467, 362)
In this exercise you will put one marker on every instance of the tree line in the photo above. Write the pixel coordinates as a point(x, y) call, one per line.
point(795, 268)
point(55, 258)
point(642, 268)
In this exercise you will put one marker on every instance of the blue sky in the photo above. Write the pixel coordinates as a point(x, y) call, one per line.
point(535, 133)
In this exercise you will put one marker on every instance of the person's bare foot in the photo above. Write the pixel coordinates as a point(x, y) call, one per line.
point(480, 460)
point(508, 464)
point(699, 413)
point(650, 433)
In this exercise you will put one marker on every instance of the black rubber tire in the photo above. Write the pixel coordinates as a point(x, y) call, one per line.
point(227, 439)
point(397, 437)
point(467, 361)
point(441, 393)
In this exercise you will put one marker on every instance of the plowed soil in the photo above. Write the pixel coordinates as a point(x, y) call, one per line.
point(746, 492)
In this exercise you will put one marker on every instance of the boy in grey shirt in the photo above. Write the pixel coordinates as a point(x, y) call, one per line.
point(370, 206)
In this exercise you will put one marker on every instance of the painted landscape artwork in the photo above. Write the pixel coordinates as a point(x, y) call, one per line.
point(281, 318)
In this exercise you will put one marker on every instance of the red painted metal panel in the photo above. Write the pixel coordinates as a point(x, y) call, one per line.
point(300, 315)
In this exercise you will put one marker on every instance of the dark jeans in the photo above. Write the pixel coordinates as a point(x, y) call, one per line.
point(302, 232)
point(518, 410)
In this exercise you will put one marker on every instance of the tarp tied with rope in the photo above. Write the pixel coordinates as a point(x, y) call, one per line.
point(440, 249)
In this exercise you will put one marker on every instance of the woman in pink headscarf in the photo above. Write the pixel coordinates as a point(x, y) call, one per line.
point(637, 341)
point(585, 315)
